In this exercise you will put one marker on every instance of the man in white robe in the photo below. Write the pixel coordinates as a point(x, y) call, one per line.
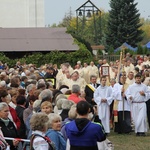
point(103, 98)
point(138, 94)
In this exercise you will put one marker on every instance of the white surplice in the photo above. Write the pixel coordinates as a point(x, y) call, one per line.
point(138, 105)
point(118, 96)
point(104, 92)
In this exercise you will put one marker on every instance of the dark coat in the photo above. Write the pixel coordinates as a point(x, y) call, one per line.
point(89, 93)
point(49, 75)
point(22, 130)
point(9, 131)
point(64, 114)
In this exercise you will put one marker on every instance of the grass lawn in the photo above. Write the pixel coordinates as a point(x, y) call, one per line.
point(130, 142)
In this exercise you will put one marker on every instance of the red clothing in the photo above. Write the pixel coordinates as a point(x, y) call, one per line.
point(15, 117)
point(75, 98)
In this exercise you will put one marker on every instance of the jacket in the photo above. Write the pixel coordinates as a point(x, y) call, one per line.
point(9, 131)
point(89, 94)
point(57, 138)
point(16, 120)
point(84, 134)
point(22, 130)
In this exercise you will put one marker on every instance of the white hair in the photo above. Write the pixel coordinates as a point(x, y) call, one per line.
point(46, 95)
point(3, 105)
point(2, 83)
point(67, 104)
point(53, 117)
point(30, 87)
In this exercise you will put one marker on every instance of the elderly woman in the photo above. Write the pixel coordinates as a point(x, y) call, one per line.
point(54, 131)
point(47, 107)
point(5, 97)
point(7, 126)
point(39, 125)
point(72, 114)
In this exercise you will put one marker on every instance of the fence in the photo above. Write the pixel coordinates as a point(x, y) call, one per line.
point(109, 57)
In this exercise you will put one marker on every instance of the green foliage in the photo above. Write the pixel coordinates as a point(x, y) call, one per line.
point(83, 41)
point(126, 51)
point(146, 28)
point(130, 51)
point(83, 54)
point(104, 20)
point(146, 50)
point(123, 24)
point(99, 52)
point(118, 52)
point(36, 58)
point(140, 49)
point(5, 59)
point(90, 29)
point(110, 50)
point(57, 57)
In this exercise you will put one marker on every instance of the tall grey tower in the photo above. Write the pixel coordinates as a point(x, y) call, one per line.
point(22, 13)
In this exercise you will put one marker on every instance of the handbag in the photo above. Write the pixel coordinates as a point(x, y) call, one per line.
point(105, 145)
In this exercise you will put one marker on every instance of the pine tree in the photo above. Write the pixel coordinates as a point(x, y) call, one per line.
point(123, 24)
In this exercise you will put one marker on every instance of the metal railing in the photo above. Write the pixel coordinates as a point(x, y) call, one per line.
point(109, 57)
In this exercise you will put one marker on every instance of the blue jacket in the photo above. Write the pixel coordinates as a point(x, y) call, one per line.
point(63, 131)
point(84, 133)
point(57, 138)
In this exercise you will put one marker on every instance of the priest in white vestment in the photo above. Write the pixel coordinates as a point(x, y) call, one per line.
point(93, 70)
point(130, 79)
point(86, 73)
point(75, 79)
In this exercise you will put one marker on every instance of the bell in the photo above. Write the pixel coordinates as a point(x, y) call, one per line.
point(80, 13)
point(88, 14)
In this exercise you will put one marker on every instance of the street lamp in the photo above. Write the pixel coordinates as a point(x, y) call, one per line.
point(89, 12)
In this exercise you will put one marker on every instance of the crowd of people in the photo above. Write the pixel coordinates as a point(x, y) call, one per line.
point(73, 107)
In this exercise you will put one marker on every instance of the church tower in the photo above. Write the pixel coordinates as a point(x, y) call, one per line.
point(22, 13)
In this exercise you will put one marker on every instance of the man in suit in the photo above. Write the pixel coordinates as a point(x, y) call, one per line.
point(90, 88)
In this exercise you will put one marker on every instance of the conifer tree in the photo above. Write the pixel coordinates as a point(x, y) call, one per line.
point(123, 24)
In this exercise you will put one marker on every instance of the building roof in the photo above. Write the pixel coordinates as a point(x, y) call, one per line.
point(98, 47)
point(36, 39)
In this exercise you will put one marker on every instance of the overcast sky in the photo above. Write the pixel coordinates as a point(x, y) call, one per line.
point(55, 9)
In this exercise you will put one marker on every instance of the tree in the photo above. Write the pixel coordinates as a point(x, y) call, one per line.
point(66, 20)
point(146, 29)
point(123, 24)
